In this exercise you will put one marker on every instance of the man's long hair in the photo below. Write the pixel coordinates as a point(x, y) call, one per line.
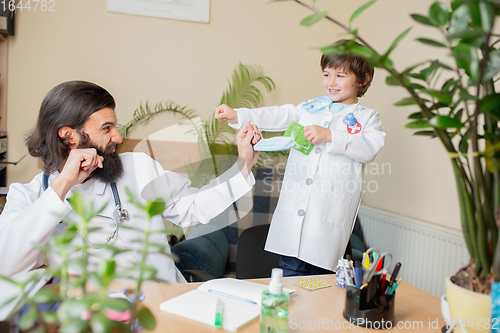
point(68, 104)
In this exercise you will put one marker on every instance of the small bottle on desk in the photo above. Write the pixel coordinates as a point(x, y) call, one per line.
point(275, 304)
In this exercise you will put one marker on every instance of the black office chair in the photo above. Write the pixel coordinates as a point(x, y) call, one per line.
point(252, 261)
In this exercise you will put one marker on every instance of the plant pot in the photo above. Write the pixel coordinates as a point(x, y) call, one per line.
point(472, 310)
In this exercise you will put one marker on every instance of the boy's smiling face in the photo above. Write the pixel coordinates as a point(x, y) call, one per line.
point(340, 85)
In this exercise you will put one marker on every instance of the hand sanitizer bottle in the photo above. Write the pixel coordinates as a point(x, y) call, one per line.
point(275, 303)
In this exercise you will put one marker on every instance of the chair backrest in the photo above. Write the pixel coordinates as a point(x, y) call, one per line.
point(252, 261)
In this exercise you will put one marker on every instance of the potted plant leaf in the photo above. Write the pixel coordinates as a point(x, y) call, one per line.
point(242, 91)
point(84, 303)
point(461, 110)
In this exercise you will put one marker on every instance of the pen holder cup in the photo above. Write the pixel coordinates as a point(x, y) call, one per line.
point(361, 309)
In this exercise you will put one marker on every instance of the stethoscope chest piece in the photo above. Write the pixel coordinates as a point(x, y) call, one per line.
point(349, 119)
point(120, 214)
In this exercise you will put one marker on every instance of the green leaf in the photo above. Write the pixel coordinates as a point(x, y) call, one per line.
point(438, 13)
point(76, 202)
point(459, 20)
point(146, 319)
point(75, 326)
point(458, 115)
point(391, 81)
point(422, 19)
point(44, 296)
point(314, 18)
point(467, 58)
point(463, 146)
point(416, 115)
point(487, 15)
point(432, 134)
point(406, 101)
point(441, 96)
point(417, 86)
point(467, 97)
point(492, 65)
point(430, 42)
point(363, 51)
point(360, 10)
point(396, 42)
point(155, 207)
point(243, 77)
point(72, 308)
point(28, 319)
point(49, 317)
point(473, 36)
point(449, 85)
point(417, 76)
point(118, 304)
point(445, 122)
point(475, 14)
point(100, 323)
point(491, 104)
point(106, 268)
point(132, 199)
point(271, 1)
point(418, 124)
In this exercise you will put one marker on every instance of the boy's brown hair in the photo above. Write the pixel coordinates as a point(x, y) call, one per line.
point(352, 64)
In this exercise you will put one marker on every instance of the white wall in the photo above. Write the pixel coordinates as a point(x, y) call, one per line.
point(142, 58)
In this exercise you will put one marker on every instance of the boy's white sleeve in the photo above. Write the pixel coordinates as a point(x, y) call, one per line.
point(362, 147)
point(269, 118)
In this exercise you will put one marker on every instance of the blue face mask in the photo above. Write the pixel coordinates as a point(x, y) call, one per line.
point(276, 143)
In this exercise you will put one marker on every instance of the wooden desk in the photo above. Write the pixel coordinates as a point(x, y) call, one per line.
point(416, 310)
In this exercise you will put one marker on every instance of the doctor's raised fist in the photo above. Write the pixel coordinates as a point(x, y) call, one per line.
point(244, 138)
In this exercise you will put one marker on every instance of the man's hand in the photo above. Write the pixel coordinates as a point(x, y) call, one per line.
point(315, 134)
point(226, 113)
point(246, 138)
point(79, 165)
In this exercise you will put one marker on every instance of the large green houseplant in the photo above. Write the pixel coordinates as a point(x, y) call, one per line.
point(457, 104)
point(216, 139)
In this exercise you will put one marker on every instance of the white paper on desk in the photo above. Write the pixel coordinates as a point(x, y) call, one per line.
point(199, 304)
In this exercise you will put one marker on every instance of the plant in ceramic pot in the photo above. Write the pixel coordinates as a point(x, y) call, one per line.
point(456, 103)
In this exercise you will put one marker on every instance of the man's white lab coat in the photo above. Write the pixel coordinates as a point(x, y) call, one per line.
point(32, 215)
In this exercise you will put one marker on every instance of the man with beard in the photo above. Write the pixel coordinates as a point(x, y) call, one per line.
point(76, 139)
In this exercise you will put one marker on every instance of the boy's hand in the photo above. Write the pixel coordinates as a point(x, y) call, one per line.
point(315, 134)
point(226, 113)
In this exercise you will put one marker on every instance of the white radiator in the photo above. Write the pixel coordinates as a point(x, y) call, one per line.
point(428, 252)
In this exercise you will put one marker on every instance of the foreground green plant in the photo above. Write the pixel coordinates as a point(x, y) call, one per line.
point(88, 312)
point(458, 105)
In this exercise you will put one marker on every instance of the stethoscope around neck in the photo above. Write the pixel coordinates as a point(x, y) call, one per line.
point(349, 119)
point(321, 103)
point(119, 214)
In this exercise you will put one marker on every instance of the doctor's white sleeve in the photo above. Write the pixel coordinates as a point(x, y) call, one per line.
point(188, 206)
point(362, 147)
point(269, 118)
point(26, 220)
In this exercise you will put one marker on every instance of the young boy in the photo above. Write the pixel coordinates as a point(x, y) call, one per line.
point(321, 191)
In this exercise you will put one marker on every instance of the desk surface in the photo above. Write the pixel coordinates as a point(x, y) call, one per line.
point(416, 310)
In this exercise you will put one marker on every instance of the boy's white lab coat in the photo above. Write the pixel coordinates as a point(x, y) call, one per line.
point(321, 192)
